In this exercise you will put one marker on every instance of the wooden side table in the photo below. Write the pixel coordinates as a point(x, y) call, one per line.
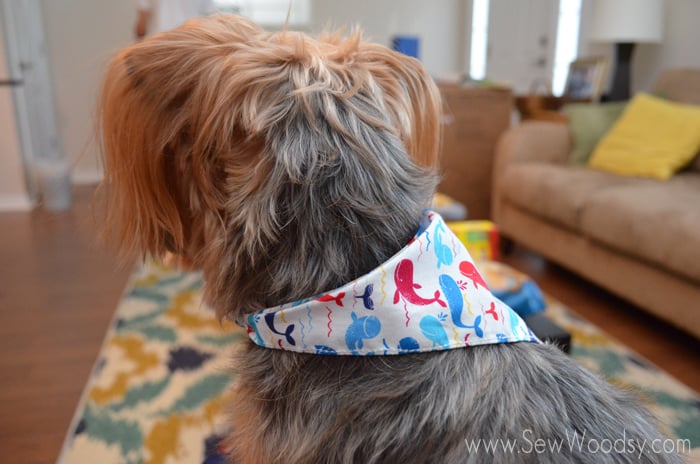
point(474, 119)
point(544, 107)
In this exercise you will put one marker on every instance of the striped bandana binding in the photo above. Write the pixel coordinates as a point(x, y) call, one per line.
point(430, 296)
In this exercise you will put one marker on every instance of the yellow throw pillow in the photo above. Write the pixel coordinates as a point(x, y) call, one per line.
point(653, 138)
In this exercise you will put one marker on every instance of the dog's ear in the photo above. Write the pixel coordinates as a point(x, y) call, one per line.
point(163, 130)
point(411, 97)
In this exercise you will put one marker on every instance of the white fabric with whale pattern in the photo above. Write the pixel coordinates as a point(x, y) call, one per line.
point(429, 296)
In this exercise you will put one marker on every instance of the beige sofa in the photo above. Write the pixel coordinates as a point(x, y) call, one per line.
point(638, 238)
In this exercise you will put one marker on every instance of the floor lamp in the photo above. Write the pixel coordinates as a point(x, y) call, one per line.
point(626, 23)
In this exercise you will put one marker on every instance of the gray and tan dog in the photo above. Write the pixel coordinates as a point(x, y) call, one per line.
point(285, 166)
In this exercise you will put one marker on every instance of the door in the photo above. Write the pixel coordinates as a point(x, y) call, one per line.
point(13, 192)
point(521, 41)
point(28, 67)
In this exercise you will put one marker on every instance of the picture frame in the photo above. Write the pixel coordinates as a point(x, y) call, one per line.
point(586, 79)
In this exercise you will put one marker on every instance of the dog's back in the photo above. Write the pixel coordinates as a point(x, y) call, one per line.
point(513, 403)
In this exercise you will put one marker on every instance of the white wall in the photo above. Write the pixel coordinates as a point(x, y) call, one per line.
point(81, 36)
point(679, 47)
point(439, 23)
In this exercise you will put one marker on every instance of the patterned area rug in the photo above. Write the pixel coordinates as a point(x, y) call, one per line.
point(159, 386)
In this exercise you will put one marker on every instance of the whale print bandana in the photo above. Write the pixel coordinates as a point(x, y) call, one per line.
point(429, 296)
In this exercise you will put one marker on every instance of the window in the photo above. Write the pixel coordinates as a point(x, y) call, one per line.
point(480, 31)
point(269, 12)
point(566, 50)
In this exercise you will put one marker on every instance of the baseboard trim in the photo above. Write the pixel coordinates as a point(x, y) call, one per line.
point(87, 177)
point(15, 202)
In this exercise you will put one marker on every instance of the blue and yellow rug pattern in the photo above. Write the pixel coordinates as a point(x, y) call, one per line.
point(158, 391)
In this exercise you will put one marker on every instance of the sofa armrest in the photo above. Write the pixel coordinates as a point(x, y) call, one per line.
point(539, 141)
point(531, 141)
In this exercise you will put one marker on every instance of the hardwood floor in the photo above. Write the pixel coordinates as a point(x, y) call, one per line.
point(670, 349)
point(59, 289)
point(58, 292)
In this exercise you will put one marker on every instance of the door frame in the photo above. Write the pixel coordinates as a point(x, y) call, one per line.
point(34, 107)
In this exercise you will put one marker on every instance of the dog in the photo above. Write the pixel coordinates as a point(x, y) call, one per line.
point(286, 166)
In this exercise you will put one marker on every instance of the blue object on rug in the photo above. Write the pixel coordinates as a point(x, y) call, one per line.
point(526, 299)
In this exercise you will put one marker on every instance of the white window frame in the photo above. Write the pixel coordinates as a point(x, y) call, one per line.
point(272, 13)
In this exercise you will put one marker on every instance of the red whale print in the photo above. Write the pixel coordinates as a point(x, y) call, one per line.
point(328, 298)
point(469, 271)
point(405, 287)
point(492, 311)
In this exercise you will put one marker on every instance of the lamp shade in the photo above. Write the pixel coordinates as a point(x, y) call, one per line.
point(630, 21)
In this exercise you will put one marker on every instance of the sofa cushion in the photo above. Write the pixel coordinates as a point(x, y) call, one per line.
point(654, 221)
point(588, 123)
point(554, 192)
point(653, 138)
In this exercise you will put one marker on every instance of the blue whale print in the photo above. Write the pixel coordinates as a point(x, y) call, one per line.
point(442, 251)
point(367, 297)
point(453, 295)
point(325, 350)
point(432, 330)
point(361, 328)
point(251, 323)
point(408, 345)
point(477, 327)
point(514, 321)
point(270, 320)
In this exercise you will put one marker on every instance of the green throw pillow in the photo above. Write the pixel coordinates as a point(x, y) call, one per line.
point(589, 122)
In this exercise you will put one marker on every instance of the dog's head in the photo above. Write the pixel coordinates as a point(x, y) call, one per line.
point(281, 164)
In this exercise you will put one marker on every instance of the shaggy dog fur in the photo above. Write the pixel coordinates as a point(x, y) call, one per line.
point(285, 166)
